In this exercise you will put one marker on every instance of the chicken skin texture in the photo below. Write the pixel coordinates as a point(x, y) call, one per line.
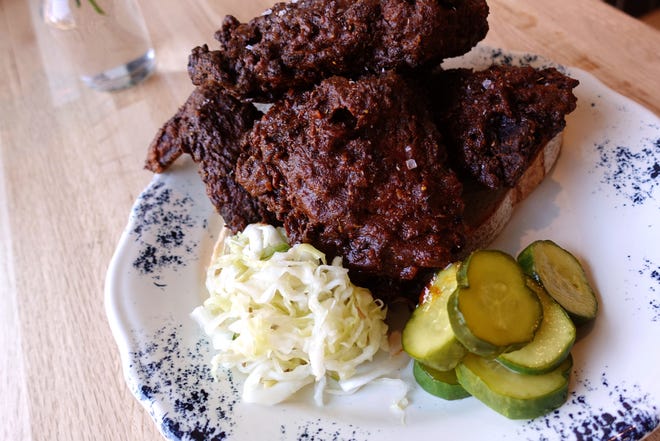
point(209, 127)
point(297, 44)
point(357, 168)
point(496, 120)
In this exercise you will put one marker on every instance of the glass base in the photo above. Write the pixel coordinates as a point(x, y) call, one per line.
point(123, 76)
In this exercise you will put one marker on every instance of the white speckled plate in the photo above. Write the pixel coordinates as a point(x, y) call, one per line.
point(602, 201)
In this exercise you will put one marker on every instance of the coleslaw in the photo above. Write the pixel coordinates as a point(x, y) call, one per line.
point(285, 317)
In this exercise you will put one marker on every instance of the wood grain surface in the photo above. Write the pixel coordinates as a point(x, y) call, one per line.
point(71, 167)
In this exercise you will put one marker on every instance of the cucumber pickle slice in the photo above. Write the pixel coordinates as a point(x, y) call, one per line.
point(552, 342)
point(443, 384)
point(501, 329)
point(563, 277)
point(514, 395)
point(428, 336)
point(492, 311)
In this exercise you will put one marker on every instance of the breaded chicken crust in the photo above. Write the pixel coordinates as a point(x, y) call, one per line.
point(209, 127)
point(357, 168)
point(494, 121)
point(365, 169)
point(295, 45)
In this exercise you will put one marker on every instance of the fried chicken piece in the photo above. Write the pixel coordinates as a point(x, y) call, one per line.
point(209, 127)
point(356, 168)
point(297, 44)
point(495, 121)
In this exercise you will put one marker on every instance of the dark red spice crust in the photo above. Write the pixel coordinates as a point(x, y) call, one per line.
point(297, 44)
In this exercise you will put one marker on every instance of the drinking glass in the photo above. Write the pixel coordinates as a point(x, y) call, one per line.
point(106, 40)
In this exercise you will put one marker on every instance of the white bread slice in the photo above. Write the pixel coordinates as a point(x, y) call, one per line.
point(487, 212)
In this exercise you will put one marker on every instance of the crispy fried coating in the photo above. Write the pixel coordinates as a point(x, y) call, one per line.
point(356, 168)
point(295, 45)
point(209, 127)
point(495, 121)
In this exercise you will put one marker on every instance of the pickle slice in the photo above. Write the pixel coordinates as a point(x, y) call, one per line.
point(512, 394)
point(552, 342)
point(428, 336)
point(493, 311)
point(443, 384)
point(563, 277)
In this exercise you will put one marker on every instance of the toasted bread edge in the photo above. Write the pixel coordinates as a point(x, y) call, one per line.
point(489, 212)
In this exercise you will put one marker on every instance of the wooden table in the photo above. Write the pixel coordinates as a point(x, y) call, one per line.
point(71, 167)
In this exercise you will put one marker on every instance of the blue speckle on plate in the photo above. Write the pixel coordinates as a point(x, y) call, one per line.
point(172, 381)
point(498, 56)
point(627, 415)
point(652, 270)
point(323, 431)
point(161, 221)
point(632, 171)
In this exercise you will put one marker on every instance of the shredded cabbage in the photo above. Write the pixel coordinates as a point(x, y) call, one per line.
point(286, 318)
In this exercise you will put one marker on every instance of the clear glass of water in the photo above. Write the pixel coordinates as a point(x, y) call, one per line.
point(106, 40)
